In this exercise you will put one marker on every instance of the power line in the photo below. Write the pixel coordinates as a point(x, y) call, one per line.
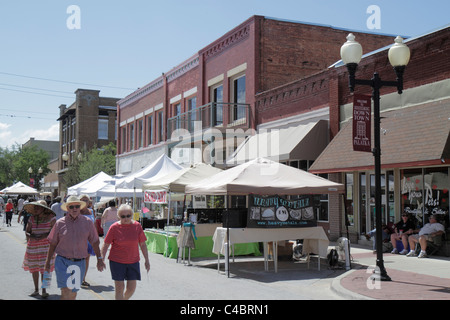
point(15, 86)
point(63, 81)
point(42, 94)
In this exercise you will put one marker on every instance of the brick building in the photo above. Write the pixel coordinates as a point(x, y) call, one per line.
point(90, 121)
point(187, 111)
point(415, 140)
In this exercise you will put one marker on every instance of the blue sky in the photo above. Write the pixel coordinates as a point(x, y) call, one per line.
point(123, 45)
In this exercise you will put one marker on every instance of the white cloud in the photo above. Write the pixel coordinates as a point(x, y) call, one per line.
point(51, 133)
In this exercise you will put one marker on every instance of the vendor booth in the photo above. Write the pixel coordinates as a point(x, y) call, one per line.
point(20, 188)
point(270, 217)
point(162, 190)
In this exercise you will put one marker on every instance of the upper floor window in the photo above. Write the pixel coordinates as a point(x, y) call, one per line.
point(103, 129)
point(216, 107)
point(238, 97)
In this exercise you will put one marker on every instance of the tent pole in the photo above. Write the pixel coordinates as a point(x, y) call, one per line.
point(168, 217)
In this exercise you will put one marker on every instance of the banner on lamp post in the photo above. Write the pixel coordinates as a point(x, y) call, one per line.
point(159, 196)
point(362, 123)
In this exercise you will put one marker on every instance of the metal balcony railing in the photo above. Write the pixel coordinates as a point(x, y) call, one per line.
point(214, 114)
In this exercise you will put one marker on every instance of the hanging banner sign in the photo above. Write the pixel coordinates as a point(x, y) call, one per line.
point(159, 196)
point(362, 123)
point(277, 212)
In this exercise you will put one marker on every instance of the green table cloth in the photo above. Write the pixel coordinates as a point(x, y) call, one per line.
point(156, 243)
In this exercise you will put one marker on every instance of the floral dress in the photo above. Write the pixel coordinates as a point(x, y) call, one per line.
point(37, 249)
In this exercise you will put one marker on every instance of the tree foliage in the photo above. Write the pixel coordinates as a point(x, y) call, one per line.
point(91, 163)
point(14, 164)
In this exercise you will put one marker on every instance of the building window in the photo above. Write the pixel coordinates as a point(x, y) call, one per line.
point(149, 130)
point(349, 198)
point(160, 135)
point(140, 133)
point(177, 113)
point(103, 129)
point(425, 192)
point(74, 122)
point(192, 113)
point(124, 140)
point(131, 136)
point(238, 97)
point(216, 106)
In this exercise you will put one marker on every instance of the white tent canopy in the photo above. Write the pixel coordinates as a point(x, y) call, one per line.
point(159, 168)
point(177, 181)
point(264, 177)
point(91, 185)
point(20, 188)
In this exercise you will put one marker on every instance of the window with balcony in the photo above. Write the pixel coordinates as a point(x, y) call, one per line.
point(238, 97)
point(192, 117)
point(216, 106)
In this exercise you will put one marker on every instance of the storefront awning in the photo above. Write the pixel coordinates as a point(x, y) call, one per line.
point(302, 142)
point(410, 137)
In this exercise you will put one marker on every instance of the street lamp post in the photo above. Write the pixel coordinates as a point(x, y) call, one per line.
point(399, 54)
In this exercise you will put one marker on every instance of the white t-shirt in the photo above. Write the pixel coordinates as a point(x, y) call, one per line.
point(430, 228)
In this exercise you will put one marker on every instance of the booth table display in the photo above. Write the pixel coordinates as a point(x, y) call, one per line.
point(156, 243)
point(314, 240)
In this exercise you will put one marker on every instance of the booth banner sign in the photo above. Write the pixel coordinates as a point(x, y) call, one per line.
point(361, 123)
point(278, 212)
point(155, 196)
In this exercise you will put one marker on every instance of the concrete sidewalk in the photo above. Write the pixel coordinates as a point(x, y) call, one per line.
point(411, 278)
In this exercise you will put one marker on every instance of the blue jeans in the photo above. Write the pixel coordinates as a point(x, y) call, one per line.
point(373, 234)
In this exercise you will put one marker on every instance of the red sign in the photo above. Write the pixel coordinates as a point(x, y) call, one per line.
point(155, 196)
point(362, 123)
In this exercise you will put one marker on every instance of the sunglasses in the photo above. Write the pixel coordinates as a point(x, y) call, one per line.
point(127, 216)
point(74, 207)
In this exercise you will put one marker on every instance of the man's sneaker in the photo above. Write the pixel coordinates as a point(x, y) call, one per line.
point(422, 254)
point(395, 251)
point(404, 251)
point(411, 253)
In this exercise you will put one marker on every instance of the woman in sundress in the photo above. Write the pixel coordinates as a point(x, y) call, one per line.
point(38, 228)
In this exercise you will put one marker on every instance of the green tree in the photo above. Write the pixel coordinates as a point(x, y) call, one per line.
point(91, 163)
point(14, 164)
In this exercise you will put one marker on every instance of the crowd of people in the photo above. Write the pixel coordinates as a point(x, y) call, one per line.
point(406, 232)
point(63, 235)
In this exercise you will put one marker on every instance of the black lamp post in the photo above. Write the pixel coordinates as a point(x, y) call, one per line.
point(399, 54)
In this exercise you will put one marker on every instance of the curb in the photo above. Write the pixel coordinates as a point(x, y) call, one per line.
point(337, 288)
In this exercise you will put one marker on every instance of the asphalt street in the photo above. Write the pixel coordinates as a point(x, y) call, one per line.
point(169, 280)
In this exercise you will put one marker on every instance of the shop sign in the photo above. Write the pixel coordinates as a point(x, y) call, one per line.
point(278, 212)
point(158, 197)
point(362, 123)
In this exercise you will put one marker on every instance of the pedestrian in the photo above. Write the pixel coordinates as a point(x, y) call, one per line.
point(9, 212)
point(125, 238)
point(68, 239)
point(38, 228)
point(26, 215)
point(89, 213)
point(109, 216)
point(56, 208)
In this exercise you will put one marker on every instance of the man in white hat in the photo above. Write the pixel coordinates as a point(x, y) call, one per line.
point(68, 239)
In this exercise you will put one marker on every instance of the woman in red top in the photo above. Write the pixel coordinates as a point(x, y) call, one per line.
point(125, 237)
point(9, 212)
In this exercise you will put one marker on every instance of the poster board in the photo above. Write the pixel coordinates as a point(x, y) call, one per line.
point(279, 212)
point(158, 196)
